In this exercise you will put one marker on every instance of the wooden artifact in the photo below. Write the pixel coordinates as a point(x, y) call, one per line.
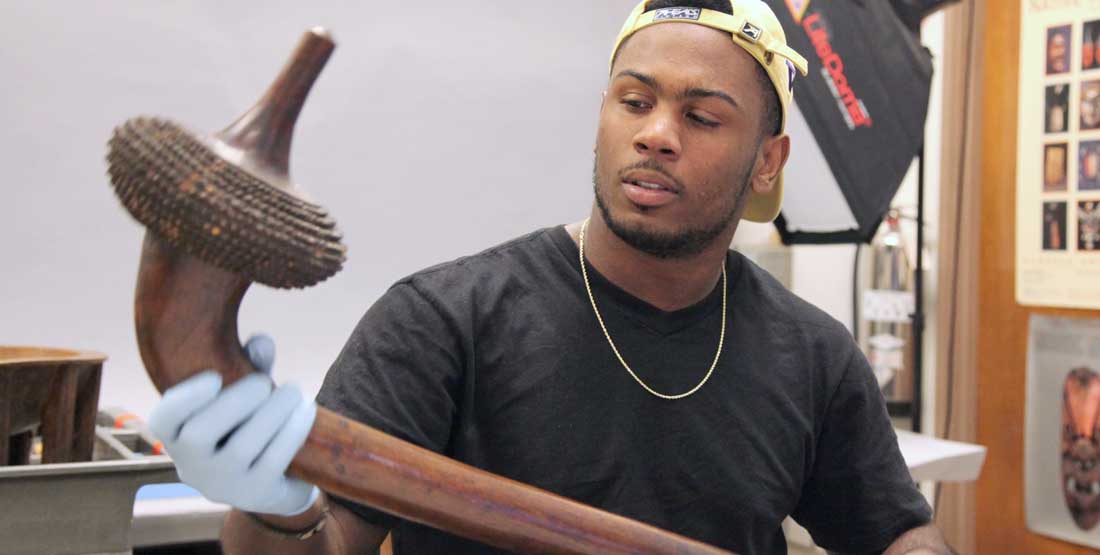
point(55, 389)
point(221, 213)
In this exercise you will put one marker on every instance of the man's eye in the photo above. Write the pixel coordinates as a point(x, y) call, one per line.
point(635, 104)
point(701, 120)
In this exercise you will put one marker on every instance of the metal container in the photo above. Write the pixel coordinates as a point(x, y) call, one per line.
point(77, 508)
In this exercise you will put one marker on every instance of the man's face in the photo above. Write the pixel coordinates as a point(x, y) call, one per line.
point(679, 139)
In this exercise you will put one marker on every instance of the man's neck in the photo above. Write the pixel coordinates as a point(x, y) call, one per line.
point(666, 283)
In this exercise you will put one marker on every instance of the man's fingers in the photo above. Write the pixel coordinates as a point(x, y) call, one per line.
point(235, 403)
point(260, 349)
point(181, 402)
point(278, 454)
point(249, 440)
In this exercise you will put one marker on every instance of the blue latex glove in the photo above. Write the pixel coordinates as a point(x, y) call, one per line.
point(248, 470)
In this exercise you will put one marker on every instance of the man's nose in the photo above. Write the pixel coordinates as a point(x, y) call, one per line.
point(659, 138)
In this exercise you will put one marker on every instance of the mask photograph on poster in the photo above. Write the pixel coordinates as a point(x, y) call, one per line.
point(1058, 41)
point(1088, 225)
point(1057, 108)
point(1054, 167)
point(1081, 446)
point(1088, 166)
point(1090, 45)
point(1054, 226)
point(1090, 105)
point(1062, 433)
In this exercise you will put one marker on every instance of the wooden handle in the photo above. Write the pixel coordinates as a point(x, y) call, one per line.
point(186, 315)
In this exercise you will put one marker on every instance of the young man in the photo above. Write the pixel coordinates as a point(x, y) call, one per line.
point(630, 361)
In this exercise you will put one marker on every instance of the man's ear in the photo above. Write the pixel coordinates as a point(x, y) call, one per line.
point(769, 162)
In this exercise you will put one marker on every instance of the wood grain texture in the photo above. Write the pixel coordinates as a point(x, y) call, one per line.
point(89, 377)
point(1002, 336)
point(55, 390)
point(57, 417)
point(959, 227)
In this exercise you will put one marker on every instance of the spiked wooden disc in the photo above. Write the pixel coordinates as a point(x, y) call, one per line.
point(175, 185)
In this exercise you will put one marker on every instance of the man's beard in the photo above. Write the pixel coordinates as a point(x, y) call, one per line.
point(687, 241)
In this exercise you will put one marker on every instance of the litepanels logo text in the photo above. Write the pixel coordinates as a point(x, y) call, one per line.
point(851, 107)
point(677, 13)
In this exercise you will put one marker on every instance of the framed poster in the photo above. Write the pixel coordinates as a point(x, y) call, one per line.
point(1058, 155)
point(1062, 437)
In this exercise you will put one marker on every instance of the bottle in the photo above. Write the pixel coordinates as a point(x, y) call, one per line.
point(888, 307)
point(1054, 168)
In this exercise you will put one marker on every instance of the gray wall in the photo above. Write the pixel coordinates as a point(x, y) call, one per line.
point(434, 132)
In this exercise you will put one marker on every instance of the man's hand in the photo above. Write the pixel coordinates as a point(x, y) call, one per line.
point(925, 540)
point(234, 444)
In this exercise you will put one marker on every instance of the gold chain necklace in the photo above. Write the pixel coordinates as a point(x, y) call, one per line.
point(721, 336)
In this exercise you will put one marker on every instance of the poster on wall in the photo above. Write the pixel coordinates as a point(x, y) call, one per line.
point(1062, 438)
point(1058, 155)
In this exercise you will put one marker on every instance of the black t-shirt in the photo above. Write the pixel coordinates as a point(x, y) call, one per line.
point(497, 360)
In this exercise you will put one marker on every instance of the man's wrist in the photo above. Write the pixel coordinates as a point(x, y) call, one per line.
point(301, 526)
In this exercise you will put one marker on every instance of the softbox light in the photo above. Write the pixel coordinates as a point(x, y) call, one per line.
point(912, 12)
point(859, 119)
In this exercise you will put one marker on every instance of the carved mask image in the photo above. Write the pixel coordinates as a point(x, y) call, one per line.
point(1081, 446)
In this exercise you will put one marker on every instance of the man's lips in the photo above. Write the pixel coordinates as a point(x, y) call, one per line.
point(651, 179)
point(649, 189)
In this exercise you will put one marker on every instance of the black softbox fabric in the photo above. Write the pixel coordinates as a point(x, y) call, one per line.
point(860, 115)
point(912, 12)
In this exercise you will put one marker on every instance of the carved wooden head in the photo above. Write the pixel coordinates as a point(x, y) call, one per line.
point(1081, 446)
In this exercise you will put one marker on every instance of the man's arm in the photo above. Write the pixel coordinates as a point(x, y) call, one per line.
point(925, 540)
point(859, 496)
point(344, 532)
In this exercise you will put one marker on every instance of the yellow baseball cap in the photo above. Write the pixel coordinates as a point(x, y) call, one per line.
point(754, 27)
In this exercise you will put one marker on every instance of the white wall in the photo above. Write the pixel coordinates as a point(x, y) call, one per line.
point(430, 134)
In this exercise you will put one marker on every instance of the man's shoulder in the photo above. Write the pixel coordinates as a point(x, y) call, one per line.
point(794, 338)
point(508, 259)
point(774, 302)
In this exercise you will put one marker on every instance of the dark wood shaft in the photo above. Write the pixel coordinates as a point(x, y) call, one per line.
point(186, 314)
point(57, 430)
point(87, 406)
point(259, 140)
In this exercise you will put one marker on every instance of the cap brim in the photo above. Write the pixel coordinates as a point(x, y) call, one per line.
point(764, 208)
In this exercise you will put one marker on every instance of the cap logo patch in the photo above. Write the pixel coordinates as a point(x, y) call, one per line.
point(677, 13)
point(798, 9)
point(751, 32)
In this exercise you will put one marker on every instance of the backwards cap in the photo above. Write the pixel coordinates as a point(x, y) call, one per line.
point(753, 27)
